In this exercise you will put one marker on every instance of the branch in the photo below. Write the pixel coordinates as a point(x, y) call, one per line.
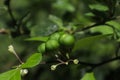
point(106, 62)
point(95, 65)
point(7, 3)
point(91, 26)
point(22, 18)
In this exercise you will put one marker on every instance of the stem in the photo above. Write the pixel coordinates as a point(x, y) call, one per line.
point(18, 57)
point(10, 13)
point(106, 62)
point(95, 65)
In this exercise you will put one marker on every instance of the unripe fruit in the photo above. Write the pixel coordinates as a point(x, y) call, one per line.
point(41, 48)
point(56, 35)
point(67, 39)
point(52, 44)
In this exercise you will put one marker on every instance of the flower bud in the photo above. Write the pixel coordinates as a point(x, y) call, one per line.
point(75, 61)
point(23, 72)
point(53, 67)
point(11, 49)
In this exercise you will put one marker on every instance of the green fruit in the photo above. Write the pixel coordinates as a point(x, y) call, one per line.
point(56, 35)
point(52, 44)
point(67, 39)
point(41, 48)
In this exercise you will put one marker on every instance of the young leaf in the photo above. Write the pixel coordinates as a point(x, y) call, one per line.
point(32, 60)
point(40, 38)
point(11, 75)
point(88, 76)
point(85, 42)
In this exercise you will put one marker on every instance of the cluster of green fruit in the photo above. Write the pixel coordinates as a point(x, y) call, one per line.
point(56, 40)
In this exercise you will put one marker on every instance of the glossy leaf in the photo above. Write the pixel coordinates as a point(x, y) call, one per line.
point(11, 75)
point(32, 61)
point(88, 76)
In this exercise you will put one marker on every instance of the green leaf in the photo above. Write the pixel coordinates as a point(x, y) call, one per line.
point(17, 76)
point(85, 42)
point(88, 76)
point(40, 38)
point(11, 75)
point(99, 7)
point(56, 20)
point(32, 61)
point(104, 29)
point(114, 24)
point(90, 14)
point(63, 5)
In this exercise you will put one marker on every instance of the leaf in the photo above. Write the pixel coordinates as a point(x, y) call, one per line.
point(88, 76)
point(40, 38)
point(116, 27)
point(56, 20)
point(11, 75)
point(90, 14)
point(104, 29)
point(63, 5)
point(85, 42)
point(99, 7)
point(32, 61)
point(114, 24)
point(17, 76)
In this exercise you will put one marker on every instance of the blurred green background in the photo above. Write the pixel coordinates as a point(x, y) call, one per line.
point(76, 12)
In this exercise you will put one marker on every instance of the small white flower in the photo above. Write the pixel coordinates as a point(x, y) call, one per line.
point(75, 61)
point(11, 49)
point(53, 67)
point(23, 72)
point(66, 63)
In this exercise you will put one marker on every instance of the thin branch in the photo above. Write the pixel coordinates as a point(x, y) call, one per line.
point(10, 11)
point(106, 62)
point(22, 18)
point(95, 65)
point(91, 26)
point(87, 64)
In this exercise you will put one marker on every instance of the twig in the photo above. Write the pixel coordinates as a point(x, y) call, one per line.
point(21, 19)
point(95, 65)
point(105, 62)
point(10, 11)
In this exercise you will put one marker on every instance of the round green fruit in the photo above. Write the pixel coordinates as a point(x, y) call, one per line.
point(41, 48)
point(56, 35)
point(67, 39)
point(52, 44)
